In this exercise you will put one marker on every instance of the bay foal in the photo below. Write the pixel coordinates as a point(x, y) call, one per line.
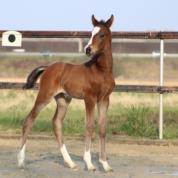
point(91, 81)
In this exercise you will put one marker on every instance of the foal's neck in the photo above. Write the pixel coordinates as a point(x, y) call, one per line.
point(105, 60)
point(102, 61)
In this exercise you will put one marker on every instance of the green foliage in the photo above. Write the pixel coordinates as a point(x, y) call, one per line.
point(139, 122)
point(133, 120)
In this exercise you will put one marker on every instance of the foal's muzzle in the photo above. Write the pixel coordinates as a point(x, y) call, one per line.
point(88, 51)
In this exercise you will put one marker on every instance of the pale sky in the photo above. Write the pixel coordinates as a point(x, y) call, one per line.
point(130, 15)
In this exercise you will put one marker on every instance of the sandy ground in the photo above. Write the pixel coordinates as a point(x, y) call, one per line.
point(43, 160)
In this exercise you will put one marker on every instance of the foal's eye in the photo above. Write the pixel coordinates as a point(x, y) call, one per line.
point(102, 35)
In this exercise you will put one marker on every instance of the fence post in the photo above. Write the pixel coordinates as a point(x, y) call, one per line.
point(80, 45)
point(161, 84)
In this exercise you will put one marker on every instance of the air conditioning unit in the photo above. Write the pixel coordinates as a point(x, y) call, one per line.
point(12, 38)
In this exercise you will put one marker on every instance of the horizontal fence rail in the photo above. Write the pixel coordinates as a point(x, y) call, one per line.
point(87, 34)
point(118, 88)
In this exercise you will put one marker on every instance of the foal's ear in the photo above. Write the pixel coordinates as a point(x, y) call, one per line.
point(94, 21)
point(109, 22)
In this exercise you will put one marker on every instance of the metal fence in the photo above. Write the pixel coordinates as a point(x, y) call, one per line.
point(161, 89)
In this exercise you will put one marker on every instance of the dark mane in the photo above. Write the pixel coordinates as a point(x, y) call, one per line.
point(92, 60)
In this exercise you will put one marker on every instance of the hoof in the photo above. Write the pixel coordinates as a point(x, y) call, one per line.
point(109, 170)
point(92, 168)
point(106, 166)
point(75, 167)
point(21, 165)
point(72, 166)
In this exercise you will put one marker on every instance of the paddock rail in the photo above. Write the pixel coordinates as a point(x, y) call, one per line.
point(118, 88)
point(87, 34)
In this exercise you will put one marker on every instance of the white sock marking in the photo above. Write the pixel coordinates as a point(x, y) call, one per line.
point(87, 159)
point(94, 32)
point(105, 165)
point(67, 157)
point(21, 156)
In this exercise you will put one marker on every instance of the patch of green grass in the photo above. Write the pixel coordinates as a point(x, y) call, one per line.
point(170, 122)
point(11, 120)
point(133, 120)
point(15, 106)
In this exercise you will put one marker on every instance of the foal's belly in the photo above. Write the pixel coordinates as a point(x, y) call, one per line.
point(74, 89)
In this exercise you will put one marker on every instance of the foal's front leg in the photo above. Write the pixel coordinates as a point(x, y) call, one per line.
point(89, 104)
point(102, 111)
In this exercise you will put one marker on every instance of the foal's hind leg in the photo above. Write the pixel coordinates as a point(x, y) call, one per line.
point(62, 104)
point(41, 101)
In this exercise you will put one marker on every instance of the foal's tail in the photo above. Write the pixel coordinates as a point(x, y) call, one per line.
point(33, 76)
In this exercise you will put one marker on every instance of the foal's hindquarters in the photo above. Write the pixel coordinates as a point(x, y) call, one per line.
point(50, 87)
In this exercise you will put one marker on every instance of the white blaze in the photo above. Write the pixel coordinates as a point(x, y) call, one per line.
point(94, 32)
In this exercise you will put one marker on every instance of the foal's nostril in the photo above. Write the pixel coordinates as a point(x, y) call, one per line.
point(88, 51)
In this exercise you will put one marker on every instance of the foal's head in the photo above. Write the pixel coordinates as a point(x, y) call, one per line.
point(101, 36)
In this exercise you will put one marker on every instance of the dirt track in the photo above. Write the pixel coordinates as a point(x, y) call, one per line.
point(43, 160)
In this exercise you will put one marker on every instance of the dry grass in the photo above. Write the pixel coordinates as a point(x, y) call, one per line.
point(14, 79)
point(11, 98)
point(142, 99)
